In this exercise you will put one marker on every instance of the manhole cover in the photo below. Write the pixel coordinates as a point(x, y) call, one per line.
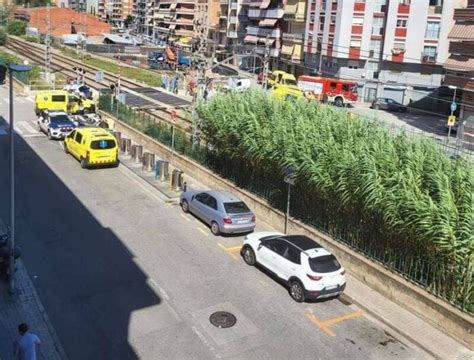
point(223, 319)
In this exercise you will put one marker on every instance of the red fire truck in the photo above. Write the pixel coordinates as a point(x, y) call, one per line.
point(337, 91)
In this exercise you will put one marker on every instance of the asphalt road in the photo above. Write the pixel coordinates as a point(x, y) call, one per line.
point(123, 274)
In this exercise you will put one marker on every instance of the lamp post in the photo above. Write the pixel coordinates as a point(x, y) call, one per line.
point(12, 68)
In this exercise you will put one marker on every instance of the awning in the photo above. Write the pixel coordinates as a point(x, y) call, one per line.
point(459, 63)
point(265, 4)
point(291, 7)
point(184, 39)
point(173, 6)
point(251, 39)
point(287, 49)
point(462, 32)
point(269, 42)
point(159, 16)
point(300, 14)
point(296, 56)
point(267, 22)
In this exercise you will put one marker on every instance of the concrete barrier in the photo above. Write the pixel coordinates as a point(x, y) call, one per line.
point(439, 313)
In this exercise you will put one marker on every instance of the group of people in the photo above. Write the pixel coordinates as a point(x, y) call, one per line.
point(170, 83)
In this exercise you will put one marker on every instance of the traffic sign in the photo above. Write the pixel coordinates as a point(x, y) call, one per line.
point(289, 173)
point(99, 76)
point(454, 106)
point(451, 120)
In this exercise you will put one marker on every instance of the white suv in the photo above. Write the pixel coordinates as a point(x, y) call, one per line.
point(310, 271)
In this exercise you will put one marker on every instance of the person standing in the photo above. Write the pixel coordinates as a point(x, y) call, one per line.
point(25, 347)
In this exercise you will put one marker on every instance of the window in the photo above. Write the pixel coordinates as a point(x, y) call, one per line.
point(333, 86)
point(78, 137)
point(277, 246)
point(429, 51)
point(375, 48)
point(202, 198)
point(58, 98)
point(355, 43)
point(380, 5)
point(102, 144)
point(432, 30)
point(402, 23)
point(399, 46)
point(373, 66)
point(357, 21)
point(292, 254)
point(212, 202)
point(377, 25)
point(352, 64)
point(324, 264)
point(59, 118)
point(236, 208)
point(333, 19)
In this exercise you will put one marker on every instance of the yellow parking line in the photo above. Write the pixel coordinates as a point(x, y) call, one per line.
point(185, 217)
point(204, 232)
point(324, 325)
point(231, 251)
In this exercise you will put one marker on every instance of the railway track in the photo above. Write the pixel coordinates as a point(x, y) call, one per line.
point(158, 110)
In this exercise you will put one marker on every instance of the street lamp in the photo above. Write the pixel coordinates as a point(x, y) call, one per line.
point(13, 68)
point(453, 106)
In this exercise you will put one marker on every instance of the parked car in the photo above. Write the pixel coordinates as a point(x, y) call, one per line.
point(309, 270)
point(221, 210)
point(388, 104)
point(92, 147)
point(55, 124)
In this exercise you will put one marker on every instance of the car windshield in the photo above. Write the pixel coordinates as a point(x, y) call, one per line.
point(102, 144)
point(324, 264)
point(236, 208)
point(289, 82)
point(60, 119)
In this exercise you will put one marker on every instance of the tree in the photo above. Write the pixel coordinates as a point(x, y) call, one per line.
point(128, 20)
point(17, 28)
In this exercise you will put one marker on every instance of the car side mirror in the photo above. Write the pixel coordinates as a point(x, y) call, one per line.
point(259, 247)
point(192, 198)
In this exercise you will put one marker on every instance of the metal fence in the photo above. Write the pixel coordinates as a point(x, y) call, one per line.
point(451, 281)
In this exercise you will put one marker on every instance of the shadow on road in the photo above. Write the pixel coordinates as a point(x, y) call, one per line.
point(85, 276)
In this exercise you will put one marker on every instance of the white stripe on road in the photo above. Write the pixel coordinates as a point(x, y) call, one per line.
point(18, 130)
point(32, 135)
point(20, 100)
point(30, 99)
point(27, 127)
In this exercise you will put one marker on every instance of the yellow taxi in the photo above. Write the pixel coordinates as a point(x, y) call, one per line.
point(92, 147)
point(62, 100)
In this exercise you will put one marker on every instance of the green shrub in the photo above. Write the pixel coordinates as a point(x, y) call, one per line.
point(17, 28)
point(3, 37)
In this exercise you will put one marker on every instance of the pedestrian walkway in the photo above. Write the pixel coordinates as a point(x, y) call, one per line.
point(25, 306)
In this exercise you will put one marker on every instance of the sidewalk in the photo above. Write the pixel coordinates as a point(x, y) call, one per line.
point(25, 306)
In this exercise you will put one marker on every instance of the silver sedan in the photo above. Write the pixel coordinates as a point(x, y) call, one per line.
point(221, 210)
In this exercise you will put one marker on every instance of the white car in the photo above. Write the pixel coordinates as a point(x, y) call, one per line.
point(309, 270)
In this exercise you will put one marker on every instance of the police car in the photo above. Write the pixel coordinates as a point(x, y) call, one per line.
point(55, 124)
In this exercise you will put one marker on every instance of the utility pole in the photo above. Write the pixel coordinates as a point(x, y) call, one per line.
point(47, 41)
point(266, 62)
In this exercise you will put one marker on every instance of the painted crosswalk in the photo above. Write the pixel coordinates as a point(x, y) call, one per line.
point(22, 128)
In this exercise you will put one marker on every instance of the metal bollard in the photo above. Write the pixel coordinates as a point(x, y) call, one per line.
point(150, 164)
point(122, 144)
point(126, 146)
point(162, 170)
point(137, 151)
point(118, 136)
point(176, 179)
point(145, 158)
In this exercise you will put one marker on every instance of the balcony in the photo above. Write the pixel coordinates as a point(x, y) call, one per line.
point(232, 19)
point(403, 8)
point(232, 35)
point(234, 6)
point(435, 10)
point(266, 14)
point(257, 31)
point(466, 83)
point(162, 29)
point(224, 2)
point(463, 47)
point(428, 58)
point(295, 38)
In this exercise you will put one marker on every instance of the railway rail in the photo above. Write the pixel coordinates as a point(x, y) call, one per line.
point(159, 105)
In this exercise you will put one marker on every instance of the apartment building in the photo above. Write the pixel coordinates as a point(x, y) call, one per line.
point(460, 64)
point(393, 48)
point(113, 11)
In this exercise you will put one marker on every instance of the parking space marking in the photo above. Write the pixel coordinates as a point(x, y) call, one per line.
point(203, 231)
point(231, 251)
point(185, 217)
point(325, 325)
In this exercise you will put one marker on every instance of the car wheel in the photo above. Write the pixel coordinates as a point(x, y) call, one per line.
point(65, 148)
point(49, 135)
point(338, 102)
point(215, 228)
point(297, 291)
point(84, 163)
point(185, 206)
point(376, 107)
point(249, 256)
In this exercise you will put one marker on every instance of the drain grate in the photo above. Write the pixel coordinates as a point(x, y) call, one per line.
point(223, 319)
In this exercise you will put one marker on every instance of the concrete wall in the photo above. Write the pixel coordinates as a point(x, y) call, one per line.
point(439, 313)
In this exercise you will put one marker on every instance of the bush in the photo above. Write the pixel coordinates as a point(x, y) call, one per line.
point(17, 28)
point(3, 37)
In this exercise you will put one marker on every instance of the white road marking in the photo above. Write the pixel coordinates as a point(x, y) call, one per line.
point(160, 289)
point(205, 342)
point(30, 99)
point(32, 135)
point(27, 127)
point(18, 130)
point(20, 100)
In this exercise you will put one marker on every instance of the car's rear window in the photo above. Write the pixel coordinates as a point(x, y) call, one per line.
point(58, 98)
point(60, 118)
point(238, 207)
point(324, 264)
point(102, 144)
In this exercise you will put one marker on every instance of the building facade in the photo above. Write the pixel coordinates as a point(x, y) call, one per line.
point(392, 48)
point(459, 66)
